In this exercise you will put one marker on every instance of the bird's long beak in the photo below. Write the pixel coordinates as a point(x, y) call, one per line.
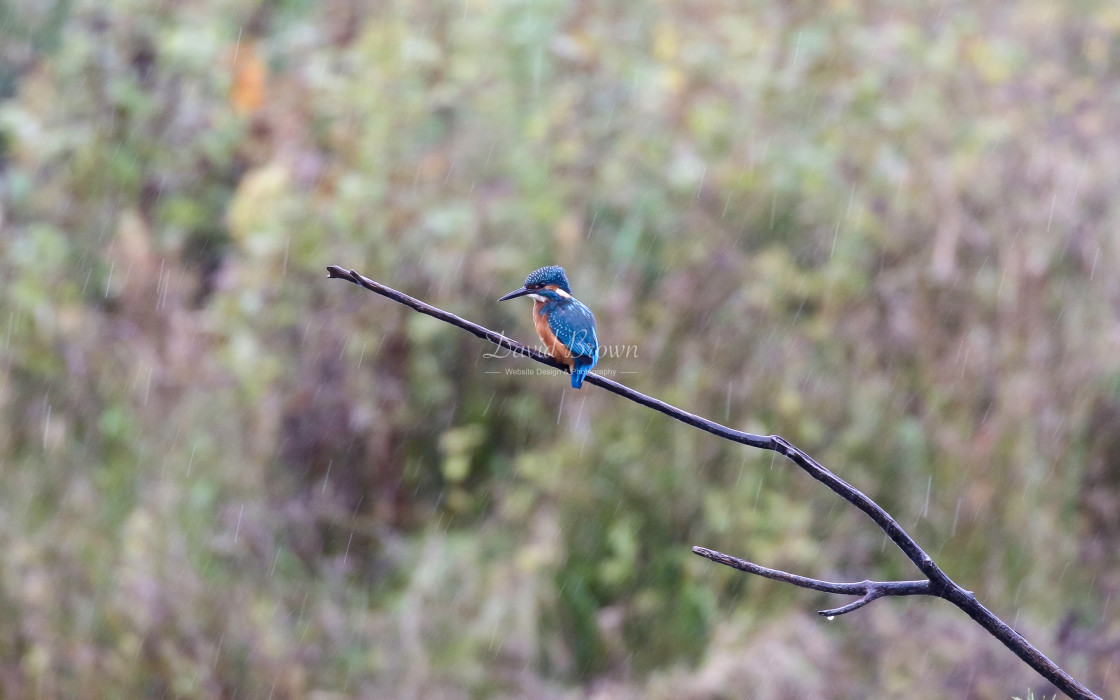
point(517, 293)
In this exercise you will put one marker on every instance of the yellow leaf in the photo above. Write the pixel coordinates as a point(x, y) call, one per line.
point(250, 74)
point(256, 214)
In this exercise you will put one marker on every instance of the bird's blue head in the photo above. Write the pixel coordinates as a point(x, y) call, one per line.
point(546, 276)
point(547, 281)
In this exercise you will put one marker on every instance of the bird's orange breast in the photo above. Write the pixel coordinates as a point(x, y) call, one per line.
point(558, 349)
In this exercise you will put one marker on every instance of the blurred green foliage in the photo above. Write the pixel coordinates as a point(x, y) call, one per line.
point(885, 231)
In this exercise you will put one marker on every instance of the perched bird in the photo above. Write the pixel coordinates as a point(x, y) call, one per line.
point(565, 326)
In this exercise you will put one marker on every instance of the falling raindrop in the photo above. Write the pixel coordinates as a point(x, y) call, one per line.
point(46, 425)
point(161, 287)
point(218, 649)
point(610, 116)
point(237, 48)
point(929, 488)
point(346, 554)
point(700, 186)
point(237, 530)
point(830, 618)
point(493, 634)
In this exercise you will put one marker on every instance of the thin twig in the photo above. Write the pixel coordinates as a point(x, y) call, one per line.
point(939, 584)
point(870, 590)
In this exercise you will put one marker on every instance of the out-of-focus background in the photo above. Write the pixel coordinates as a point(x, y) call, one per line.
point(886, 231)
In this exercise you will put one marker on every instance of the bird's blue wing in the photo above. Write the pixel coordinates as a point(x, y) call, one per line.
point(574, 326)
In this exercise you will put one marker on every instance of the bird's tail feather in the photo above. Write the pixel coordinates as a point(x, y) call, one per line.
point(579, 372)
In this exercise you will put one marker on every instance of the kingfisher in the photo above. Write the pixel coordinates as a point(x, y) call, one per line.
point(565, 326)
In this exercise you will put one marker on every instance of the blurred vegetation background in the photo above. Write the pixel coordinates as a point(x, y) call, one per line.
point(886, 231)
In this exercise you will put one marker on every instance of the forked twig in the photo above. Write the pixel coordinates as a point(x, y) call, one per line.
point(869, 590)
point(937, 583)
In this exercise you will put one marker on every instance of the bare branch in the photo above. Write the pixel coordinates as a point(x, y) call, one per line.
point(870, 590)
point(939, 584)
